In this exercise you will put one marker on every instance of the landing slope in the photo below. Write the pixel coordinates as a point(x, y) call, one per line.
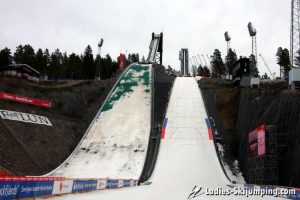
point(187, 156)
point(115, 144)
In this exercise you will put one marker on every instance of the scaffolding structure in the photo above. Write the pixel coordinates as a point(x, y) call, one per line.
point(263, 170)
point(294, 30)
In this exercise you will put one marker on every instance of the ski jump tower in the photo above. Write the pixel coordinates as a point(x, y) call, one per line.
point(295, 30)
point(184, 62)
point(156, 49)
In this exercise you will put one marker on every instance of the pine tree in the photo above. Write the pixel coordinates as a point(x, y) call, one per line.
point(283, 60)
point(231, 60)
point(25, 55)
point(218, 67)
point(55, 65)
point(5, 57)
point(39, 60)
point(88, 63)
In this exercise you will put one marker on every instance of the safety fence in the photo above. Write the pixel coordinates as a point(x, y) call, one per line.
point(18, 187)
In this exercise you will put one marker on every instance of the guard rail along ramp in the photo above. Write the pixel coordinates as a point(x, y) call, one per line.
point(155, 49)
point(115, 144)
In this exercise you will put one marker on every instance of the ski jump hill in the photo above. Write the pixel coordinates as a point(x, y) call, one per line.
point(167, 155)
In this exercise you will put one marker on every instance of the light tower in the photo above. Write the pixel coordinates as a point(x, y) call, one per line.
point(252, 33)
point(97, 76)
point(295, 30)
point(227, 39)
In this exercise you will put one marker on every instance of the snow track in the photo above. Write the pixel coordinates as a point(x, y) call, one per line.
point(115, 144)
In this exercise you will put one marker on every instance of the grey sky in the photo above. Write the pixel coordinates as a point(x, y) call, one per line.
point(127, 25)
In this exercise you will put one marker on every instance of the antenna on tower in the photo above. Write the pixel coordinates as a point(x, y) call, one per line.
point(295, 30)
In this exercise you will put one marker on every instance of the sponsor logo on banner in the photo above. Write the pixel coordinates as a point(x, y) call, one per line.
point(9, 190)
point(34, 189)
point(62, 187)
point(126, 183)
point(25, 117)
point(84, 185)
point(120, 184)
point(23, 99)
point(112, 183)
point(101, 184)
point(132, 183)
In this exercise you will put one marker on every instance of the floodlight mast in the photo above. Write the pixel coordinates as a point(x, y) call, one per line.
point(100, 44)
point(227, 39)
point(252, 33)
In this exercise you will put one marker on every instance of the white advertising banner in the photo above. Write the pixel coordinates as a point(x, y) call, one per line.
point(25, 117)
point(101, 184)
point(120, 184)
point(62, 187)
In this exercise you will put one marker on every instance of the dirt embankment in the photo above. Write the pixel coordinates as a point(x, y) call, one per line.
point(241, 110)
point(30, 149)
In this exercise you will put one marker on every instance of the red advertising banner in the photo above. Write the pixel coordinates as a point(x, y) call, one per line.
point(122, 61)
point(257, 142)
point(24, 99)
point(261, 140)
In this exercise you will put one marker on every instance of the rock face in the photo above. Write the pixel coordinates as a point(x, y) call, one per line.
point(34, 149)
point(238, 111)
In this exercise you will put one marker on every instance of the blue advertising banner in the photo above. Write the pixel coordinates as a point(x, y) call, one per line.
point(9, 190)
point(33, 189)
point(84, 185)
point(126, 183)
point(112, 183)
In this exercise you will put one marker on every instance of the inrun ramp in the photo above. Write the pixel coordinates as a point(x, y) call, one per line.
point(115, 145)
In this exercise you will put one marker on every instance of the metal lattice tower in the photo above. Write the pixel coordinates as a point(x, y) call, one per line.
point(295, 30)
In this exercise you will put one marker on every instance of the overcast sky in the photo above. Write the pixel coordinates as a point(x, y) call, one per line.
point(198, 25)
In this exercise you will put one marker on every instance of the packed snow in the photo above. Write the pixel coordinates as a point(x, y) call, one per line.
point(116, 143)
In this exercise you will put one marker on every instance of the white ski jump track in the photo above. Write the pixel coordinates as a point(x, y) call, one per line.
point(116, 142)
point(187, 157)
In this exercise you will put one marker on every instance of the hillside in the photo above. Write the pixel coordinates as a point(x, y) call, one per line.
point(237, 111)
point(34, 149)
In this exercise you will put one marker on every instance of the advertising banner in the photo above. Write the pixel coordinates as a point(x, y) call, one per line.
point(122, 61)
point(257, 143)
point(24, 99)
point(62, 187)
point(34, 189)
point(9, 190)
point(126, 183)
point(84, 185)
point(112, 184)
point(120, 184)
point(101, 184)
point(25, 117)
